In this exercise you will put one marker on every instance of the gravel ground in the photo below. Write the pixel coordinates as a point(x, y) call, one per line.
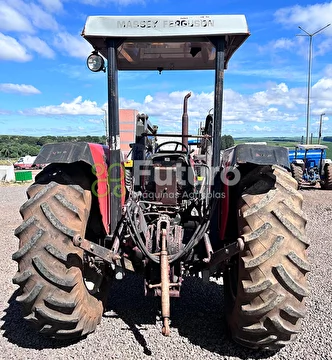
point(129, 330)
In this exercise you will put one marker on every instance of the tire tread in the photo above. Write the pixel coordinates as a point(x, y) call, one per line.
point(53, 294)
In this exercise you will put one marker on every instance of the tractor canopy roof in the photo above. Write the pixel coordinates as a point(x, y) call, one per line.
point(166, 42)
point(311, 147)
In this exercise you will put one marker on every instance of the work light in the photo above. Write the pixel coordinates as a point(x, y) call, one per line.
point(95, 62)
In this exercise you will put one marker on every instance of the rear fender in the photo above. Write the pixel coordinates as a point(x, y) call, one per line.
point(256, 154)
point(95, 155)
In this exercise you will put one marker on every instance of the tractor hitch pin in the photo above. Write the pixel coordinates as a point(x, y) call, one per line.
point(165, 284)
point(208, 248)
point(164, 274)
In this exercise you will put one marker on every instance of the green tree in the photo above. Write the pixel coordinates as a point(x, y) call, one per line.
point(327, 138)
point(13, 151)
point(227, 141)
point(46, 140)
point(4, 151)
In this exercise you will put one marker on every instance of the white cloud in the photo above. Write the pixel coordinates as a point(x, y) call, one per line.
point(276, 50)
point(34, 13)
point(12, 20)
point(39, 46)
point(95, 121)
point(279, 95)
point(51, 5)
point(148, 99)
point(116, 2)
point(282, 87)
point(310, 17)
point(76, 107)
point(283, 43)
point(239, 122)
point(19, 89)
point(72, 45)
point(4, 112)
point(265, 128)
point(41, 19)
point(12, 50)
point(324, 84)
point(270, 105)
point(323, 47)
point(275, 104)
point(168, 107)
point(328, 70)
point(272, 110)
point(322, 96)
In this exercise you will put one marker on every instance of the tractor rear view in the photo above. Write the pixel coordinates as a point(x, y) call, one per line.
point(166, 212)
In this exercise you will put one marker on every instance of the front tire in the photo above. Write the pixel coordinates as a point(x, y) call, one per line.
point(266, 287)
point(54, 297)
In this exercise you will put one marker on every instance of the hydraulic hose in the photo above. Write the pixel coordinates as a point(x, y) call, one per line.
point(198, 234)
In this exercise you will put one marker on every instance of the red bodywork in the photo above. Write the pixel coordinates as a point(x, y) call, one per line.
point(100, 187)
point(23, 166)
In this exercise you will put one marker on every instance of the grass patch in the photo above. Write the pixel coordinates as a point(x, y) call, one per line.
point(7, 161)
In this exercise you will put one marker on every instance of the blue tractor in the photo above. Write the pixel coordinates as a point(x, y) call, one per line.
point(310, 166)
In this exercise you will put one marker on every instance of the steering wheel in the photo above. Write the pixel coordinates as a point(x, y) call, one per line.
point(176, 143)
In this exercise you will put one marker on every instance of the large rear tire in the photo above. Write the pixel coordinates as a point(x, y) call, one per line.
point(50, 274)
point(266, 287)
point(327, 184)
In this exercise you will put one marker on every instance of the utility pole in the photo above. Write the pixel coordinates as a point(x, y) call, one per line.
point(320, 127)
point(309, 74)
point(105, 123)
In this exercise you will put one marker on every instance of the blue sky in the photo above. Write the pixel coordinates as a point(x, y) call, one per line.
point(46, 88)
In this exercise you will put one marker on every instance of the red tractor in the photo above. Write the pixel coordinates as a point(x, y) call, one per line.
point(167, 212)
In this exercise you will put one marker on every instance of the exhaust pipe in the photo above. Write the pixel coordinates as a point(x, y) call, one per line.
point(185, 120)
